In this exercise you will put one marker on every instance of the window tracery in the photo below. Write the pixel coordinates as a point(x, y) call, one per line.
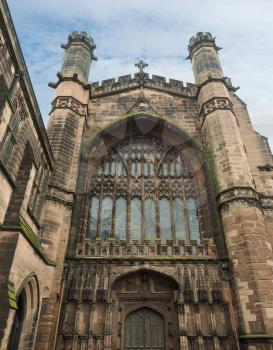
point(142, 190)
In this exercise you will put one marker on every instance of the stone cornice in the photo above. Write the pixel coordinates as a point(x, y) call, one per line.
point(245, 196)
point(60, 196)
point(255, 337)
point(71, 103)
point(74, 78)
point(215, 103)
point(225, 80)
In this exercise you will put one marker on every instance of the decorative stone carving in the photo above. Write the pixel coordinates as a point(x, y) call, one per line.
point(214, 104)
point(61, 196)
point(123, 249)
point(70, 103)
point(20, 106)
point(267, 202)
point(239, 196)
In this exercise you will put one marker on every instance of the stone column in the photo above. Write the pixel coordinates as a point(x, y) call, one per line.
point(248, 242)
point(65, 129)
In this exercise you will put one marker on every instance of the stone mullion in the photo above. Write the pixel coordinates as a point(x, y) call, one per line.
point(129, 196)
point(100, 206)
point(157, 208)
point(171, 203)
point(142, 199)
point(157, 197)
point(172, 219)
point(114, 200)
point(184, 200)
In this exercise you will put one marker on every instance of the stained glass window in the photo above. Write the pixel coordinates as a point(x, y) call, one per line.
point(106, 217)
point(193, 219)
point(120, 218)
point(136, 219)
point(165, 219)
point(93, 216)
point(149, 219)
point(179, 219)
point(143, 176)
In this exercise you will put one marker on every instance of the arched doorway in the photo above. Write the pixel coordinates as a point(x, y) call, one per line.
point(17, 323)
point(144, 329)
point(144, 312)
point(24, 325)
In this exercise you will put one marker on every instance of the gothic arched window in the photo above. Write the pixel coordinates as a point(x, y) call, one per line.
point(143, 190)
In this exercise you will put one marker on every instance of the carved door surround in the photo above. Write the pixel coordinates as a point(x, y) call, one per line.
point(139, 298)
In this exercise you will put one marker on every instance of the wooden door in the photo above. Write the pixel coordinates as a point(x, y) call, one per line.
point(144, 330)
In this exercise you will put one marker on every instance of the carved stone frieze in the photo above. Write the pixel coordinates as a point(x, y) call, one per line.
point(267, 202)
point(239, 196)
point(70, 103)
point(119, 249)
point(60, 196)
point(214, 104)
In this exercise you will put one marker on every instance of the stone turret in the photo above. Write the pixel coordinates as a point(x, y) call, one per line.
point(203, 52)
point(67, 119)
point(79, 52)
point(237, 198)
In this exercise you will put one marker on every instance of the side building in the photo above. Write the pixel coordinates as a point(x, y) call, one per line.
point(142, 218)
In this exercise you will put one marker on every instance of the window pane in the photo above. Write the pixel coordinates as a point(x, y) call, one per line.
point(119, 167)
point(146, 170)
point(113, 168)
point(193, 219)
point(151, 166)
point(165, 219)
point(172, 168)
point(133, 169)
point(8, 151)
point(138, 169)
point(106, 168)
point(150, 221)
point(179, 219)
point(120, 218)
point(93, 216)
point(178, 168)
point(164, 169)
point(136, 219)
point(106, 218)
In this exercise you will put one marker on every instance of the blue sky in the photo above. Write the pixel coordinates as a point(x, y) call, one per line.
point(158, 31)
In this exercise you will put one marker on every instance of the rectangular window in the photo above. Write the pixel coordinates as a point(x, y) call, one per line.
point(8, 148)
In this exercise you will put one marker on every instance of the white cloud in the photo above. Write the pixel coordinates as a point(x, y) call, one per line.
point(159, 31)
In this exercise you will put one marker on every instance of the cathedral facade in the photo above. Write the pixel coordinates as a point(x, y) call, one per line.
point(141, 218)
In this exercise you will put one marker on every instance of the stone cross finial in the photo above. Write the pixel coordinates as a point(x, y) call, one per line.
point(141, 65)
